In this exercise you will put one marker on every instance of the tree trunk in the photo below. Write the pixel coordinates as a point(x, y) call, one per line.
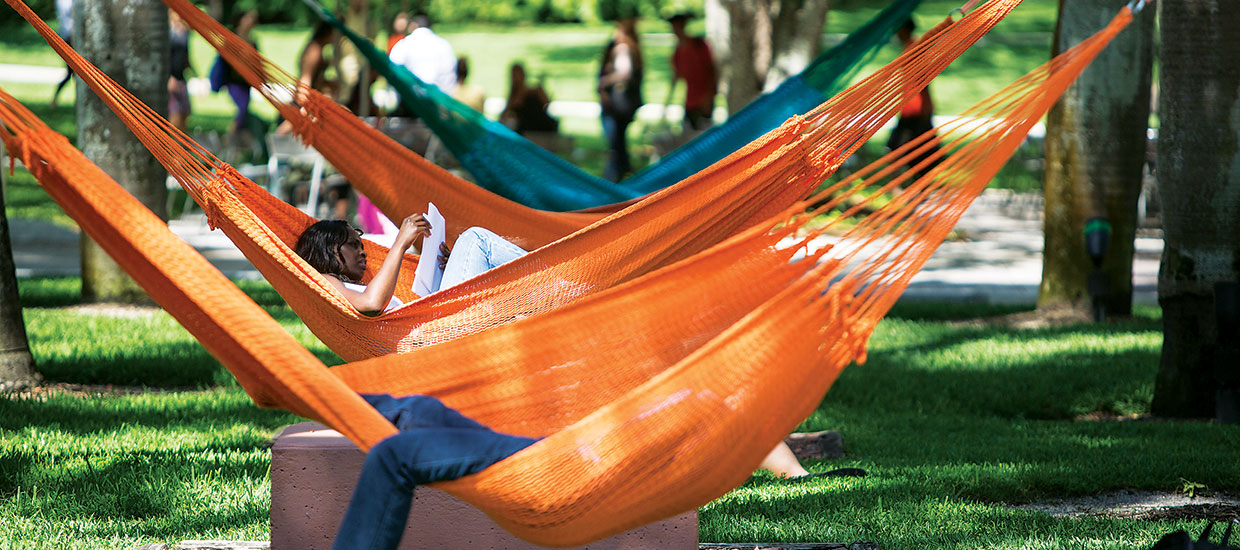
point(1198, 173)
point(1095, 151)
point(128, 40)
point(353, 69)
point(16, 363)
point(796, 39)
point(759, 43)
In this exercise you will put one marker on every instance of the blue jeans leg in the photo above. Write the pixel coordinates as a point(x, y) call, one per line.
point(615, 130)
point(380, 504)
point(476, 251)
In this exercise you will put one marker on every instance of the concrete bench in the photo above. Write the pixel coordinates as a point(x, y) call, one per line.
point(314, 469)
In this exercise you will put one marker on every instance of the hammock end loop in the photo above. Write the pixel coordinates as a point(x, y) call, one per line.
point(212, 210)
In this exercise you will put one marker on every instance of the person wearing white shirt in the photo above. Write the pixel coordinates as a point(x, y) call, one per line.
point(427, 55)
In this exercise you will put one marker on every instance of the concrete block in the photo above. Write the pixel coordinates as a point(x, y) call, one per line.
point(314, 469)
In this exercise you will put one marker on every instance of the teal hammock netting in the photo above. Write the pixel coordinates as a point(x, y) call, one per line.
point(509, 165)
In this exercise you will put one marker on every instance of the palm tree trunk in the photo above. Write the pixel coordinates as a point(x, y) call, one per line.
point(16, 364)
point(128, 40)
point(1095, 151)
point(759, 43)
point(1198, 173)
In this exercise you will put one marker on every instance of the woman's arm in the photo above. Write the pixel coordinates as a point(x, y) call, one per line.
point(383, 285)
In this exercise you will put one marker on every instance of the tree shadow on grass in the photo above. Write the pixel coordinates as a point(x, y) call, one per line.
point(1057, 387)
point(951, 501)
point(149, 486)
point(81, 416)
point(51, 292)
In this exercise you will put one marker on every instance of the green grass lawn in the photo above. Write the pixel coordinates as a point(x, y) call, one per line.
point(953, 421)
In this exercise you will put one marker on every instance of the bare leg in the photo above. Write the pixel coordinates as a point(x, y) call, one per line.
point(783, 463)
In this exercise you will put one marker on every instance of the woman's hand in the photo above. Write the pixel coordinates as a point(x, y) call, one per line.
point(444, 253)
point(411, 228)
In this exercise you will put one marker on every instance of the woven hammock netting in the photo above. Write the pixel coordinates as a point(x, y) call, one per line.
point(762, 179)
point(653, 396)
point(513, 167)
point(400, 182)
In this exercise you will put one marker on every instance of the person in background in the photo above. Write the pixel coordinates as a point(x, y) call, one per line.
point(400, 28)
point(915, 117)
point(469, 94)
point(526, 110)
point(225, 77)
point(178, 88)
point(312, 68)
point(64, 14)
point(693, 63)
point(427, 55)
point(314, 60)
point(620, 93)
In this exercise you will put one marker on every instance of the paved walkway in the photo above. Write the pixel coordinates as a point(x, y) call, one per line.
point(999, 261)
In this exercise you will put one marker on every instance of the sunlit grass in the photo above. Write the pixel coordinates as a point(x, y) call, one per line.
point(954, 421)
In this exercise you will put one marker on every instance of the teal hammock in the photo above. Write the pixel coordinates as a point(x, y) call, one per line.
point(507, 164)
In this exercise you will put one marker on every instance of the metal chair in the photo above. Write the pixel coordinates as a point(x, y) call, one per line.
point(285, 152)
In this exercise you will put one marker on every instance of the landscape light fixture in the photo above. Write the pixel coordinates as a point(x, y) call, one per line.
point(1097, 237)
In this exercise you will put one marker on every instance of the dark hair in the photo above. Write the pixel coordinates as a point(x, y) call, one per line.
point(421, 19)
point(319, 245)
point(322, 30)
point(909, 25)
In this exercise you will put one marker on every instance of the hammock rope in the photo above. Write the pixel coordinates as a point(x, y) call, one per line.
point(759, 181)
point(625, 439)
point(399, 182)
point(508, 164)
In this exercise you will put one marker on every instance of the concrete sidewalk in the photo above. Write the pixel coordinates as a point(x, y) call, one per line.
point(1000, 258)
point(998, 261)
point(42, 249)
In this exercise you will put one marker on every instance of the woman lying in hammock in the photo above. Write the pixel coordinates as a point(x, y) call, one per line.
point(334, 248)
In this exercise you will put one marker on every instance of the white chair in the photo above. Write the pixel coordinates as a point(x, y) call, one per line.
point(284, 151)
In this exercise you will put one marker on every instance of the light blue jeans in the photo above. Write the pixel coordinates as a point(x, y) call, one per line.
point(476, 251)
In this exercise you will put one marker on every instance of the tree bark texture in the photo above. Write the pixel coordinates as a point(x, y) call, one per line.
point(128, 40)
point(352, 65)
point(1198, 171)
point(759, 43)
point(17, 369)
point(1095, 152)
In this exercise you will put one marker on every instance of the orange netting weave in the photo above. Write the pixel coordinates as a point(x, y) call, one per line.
point(752, 184)
point(654, 396)
point(400, 182)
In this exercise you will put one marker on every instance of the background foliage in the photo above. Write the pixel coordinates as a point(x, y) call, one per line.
point(445, 11)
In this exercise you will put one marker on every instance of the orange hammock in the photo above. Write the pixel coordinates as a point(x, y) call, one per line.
point(620, 383)
point(750, 185)
point(400, 182)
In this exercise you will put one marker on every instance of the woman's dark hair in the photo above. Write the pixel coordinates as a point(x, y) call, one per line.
point(319, 245)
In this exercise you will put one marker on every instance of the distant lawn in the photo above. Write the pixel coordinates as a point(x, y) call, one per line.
point(953, 421)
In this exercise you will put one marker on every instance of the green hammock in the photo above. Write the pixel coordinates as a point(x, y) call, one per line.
point(509, 165)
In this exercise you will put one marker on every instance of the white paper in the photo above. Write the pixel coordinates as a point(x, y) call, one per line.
point(428, 274)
